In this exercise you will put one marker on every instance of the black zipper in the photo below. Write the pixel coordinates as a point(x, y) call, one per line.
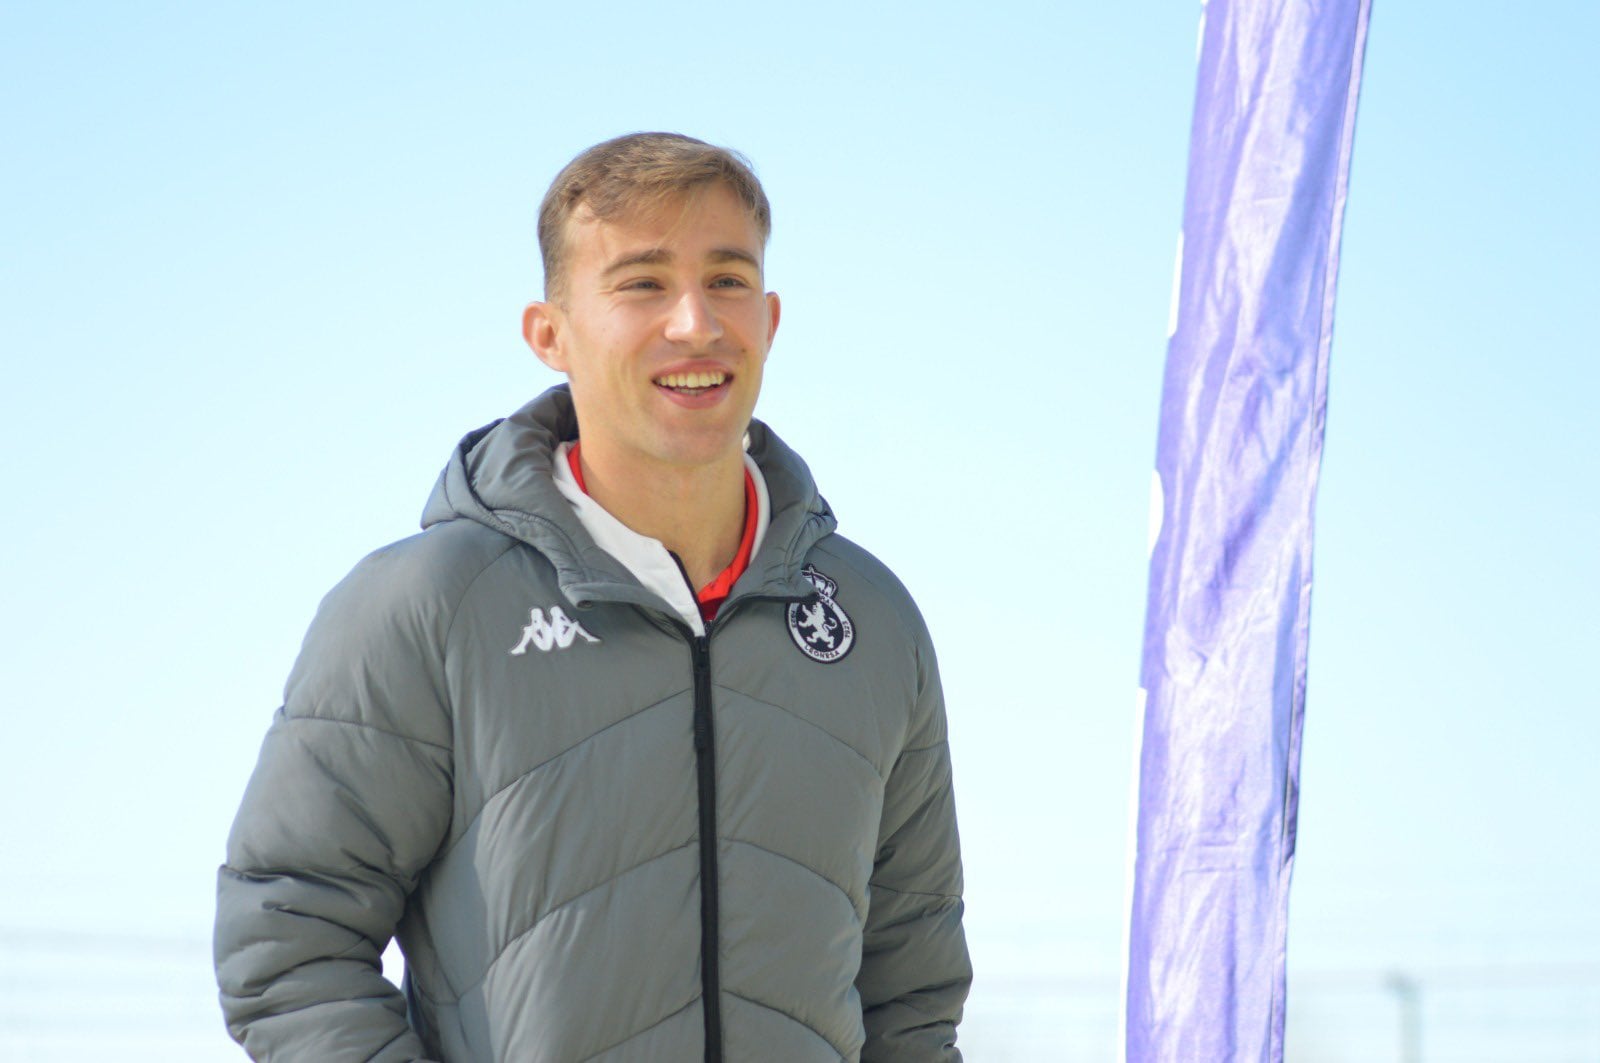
point(705, 762)
point(705, 758)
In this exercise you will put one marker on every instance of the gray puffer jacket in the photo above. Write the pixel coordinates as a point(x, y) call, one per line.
point(598, 836)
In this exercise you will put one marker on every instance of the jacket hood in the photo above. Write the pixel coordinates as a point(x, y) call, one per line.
point(500, 476)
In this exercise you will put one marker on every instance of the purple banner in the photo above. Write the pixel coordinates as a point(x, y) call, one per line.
point(1240, 445)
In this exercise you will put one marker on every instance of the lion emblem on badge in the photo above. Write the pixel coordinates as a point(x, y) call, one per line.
point(820, 628)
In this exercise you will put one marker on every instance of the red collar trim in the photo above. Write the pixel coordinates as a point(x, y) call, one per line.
point(712, 595)
point(577, 469)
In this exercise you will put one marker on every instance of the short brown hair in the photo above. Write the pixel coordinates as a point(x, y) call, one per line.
point(639, 172)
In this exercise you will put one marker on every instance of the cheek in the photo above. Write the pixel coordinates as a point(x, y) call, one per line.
point(618, 338)
point(755, 334)
point(591, 354)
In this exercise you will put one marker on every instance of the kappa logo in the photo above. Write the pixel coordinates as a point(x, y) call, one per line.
point(821, 629)
point(557, 633)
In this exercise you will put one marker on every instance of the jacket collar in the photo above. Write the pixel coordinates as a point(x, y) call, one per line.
point(500, 477)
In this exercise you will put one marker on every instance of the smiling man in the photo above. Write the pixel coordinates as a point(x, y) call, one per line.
point(638, 757)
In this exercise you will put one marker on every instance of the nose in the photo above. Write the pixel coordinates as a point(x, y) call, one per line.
point(693, 321)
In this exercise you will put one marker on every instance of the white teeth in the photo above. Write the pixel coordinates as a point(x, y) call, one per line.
point(713, 378)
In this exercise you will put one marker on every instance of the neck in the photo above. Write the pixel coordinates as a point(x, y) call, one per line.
point(695, 511)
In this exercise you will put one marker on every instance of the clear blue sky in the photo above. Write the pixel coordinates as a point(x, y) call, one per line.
point(262, 267)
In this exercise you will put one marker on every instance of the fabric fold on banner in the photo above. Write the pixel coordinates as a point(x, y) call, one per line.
point(1240, 445)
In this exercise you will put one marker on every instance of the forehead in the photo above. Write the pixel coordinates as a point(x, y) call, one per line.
point(691, 224)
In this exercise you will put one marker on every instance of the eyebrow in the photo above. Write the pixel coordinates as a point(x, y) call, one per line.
point(656, 256)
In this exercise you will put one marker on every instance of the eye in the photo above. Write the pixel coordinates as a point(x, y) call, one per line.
point(641, 284)
point(729, 282)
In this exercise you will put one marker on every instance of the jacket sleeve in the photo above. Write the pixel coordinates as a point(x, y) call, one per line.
point(914, 966)
point(349, 801)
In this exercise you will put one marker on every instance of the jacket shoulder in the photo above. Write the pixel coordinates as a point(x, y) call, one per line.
point(438, 563)
point(374, 654)
point(835, 554)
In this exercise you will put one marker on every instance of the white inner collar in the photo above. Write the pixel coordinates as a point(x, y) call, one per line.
point(649, 561)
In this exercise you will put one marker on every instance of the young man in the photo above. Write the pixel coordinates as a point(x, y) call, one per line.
point(639, 759)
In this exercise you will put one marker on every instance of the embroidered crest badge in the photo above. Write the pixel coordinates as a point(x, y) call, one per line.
point(821, 629)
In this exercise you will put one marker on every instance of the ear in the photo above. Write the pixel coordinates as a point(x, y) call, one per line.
point(542, 329)
point(774, 312)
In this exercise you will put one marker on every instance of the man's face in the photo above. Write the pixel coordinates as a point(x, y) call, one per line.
point(662, 328)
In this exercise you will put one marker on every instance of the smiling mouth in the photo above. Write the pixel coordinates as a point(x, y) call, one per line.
point(701, 383)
